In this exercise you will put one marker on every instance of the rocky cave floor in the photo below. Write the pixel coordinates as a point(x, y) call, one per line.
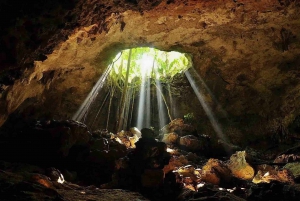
point(62, 160)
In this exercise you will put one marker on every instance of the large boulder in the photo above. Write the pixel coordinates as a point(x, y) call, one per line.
point(170, 138)
point(45, 141)
point(239, 166)
point(180, 127)
point(63, 133)
point(191, 142)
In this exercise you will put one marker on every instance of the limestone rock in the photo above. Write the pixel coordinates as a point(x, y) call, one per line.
point(170, 138)
point(133, 140)
point(175, 162)
point(53, 138)
point(294, 168)
point(65, 133)
point(239, 167)
point(215, 172)
point(128, 138)
point(267, 173)
point(142, 165)
point(42, 180)
point(189, 172)
point(80, 133)
point(123, 133)
point(54, 174)
point(190, 142)
point(178, 126)
point(136, 131)
point(287, 158)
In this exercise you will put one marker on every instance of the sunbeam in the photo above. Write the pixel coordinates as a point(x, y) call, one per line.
point(85, 106)
point(205, 107)
point(147, 113)
point(134, 72)
point(141, 104)
point(160, 98)
point(161, 109)
point(172, 109)
point(198, 78)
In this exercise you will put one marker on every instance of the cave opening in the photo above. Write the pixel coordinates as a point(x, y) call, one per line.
point(134, 90)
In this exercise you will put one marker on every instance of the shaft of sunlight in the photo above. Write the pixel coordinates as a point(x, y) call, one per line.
point(82, 111)
point(205, 107)
point(141, 104)
point(199, 78)
point(173, 109)
point(161, 109)
point(148, 104)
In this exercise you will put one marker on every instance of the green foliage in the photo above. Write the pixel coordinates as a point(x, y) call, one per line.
point(189, 118)
point(146, 63)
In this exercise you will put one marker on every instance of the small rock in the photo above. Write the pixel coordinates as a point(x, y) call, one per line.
point(175, 162)
point(54, 174)
point(170, 138)
point(287, 158)
point(190, 142)
point(42, 180)
point(215, 172)
point(133, 140)
point(136, 131)
point(187, 180)
point(189, 171)
point(178, 126)
point(267, 173)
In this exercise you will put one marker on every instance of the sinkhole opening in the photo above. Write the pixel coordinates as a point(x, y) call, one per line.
point(134, 90)
point(134, 65)
point(139, 73)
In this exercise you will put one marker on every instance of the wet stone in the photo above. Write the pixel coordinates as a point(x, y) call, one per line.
point(170, 138)
point(239, 166)
point(190, 142)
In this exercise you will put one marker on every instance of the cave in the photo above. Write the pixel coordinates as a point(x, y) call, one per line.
point(222, 124)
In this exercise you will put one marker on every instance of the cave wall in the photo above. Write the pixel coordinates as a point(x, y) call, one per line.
point(246, 51)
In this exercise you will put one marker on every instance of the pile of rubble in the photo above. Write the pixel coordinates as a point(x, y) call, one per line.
point(176, 167)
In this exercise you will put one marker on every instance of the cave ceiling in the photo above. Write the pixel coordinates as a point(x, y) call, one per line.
point(246, 51)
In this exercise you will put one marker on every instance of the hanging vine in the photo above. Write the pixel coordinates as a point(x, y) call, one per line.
point(141, 64)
